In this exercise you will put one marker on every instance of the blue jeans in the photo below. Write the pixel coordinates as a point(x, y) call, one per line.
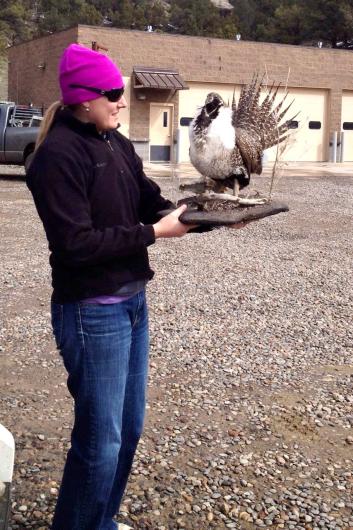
point(105, 352)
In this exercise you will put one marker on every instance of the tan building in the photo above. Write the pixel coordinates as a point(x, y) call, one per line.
point(3, 78)
point(168, 76)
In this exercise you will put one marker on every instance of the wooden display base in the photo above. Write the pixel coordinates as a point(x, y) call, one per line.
point(216, 212)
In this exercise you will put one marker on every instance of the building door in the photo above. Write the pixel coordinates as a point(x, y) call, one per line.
point(161, 126)
point(347, 125)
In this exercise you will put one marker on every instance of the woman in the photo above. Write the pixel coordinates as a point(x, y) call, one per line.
point(99, 212)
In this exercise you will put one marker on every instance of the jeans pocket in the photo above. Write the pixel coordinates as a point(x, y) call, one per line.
point(57, 322)
point(99, 320)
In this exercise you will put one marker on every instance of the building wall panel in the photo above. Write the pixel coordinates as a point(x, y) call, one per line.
point(3, 78)
point(347, 118)
point(33, 69)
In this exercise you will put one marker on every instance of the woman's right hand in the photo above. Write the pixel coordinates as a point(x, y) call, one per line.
point(170, 226)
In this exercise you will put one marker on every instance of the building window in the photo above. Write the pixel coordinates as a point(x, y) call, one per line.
point(165, 119)
point(293, 124)
point(348, 126)
point(185, 122)
point(314, 124)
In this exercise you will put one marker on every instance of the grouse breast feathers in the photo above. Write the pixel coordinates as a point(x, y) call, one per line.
point(211, 146)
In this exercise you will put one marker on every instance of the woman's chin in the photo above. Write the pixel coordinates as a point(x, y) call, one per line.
point(113, 124)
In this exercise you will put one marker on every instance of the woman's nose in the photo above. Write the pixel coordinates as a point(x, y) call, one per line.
point(122, 103)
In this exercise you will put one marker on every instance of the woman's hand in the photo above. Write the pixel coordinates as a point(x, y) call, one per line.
point(170, 226)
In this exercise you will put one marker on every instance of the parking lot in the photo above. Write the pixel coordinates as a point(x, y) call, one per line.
point(250, 413)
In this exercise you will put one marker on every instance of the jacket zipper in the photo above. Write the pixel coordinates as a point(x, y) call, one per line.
point(110, 145)
point(104, 137)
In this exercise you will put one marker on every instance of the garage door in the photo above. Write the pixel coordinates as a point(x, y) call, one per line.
point(309, 139)
point(308, 142)
point(347, 125)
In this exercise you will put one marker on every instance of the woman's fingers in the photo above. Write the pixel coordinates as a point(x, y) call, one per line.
point(170, 226)
point(180, 210)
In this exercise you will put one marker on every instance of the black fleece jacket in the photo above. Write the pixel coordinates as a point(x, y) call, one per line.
point(97, 207)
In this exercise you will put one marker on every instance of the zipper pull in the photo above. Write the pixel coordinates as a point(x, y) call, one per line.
point(110, 145)
point(107, 141)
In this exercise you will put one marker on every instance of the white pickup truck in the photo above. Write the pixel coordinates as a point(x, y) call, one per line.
point(18, 132)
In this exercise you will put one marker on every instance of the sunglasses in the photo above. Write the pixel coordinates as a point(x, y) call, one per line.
point(112, 95)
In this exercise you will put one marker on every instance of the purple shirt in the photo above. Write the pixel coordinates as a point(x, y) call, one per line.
point(105, 299)
point(123, 293)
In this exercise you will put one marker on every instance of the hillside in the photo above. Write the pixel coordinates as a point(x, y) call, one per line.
point(285, 21)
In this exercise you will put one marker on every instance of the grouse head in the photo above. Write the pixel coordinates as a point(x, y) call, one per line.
point(212, 105)
point(203, 120)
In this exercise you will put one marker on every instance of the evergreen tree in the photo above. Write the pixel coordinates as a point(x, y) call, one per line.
point(201, 17)
point(287, 21)
point(245, 11)
point(57, 16)
point(329, 20)
point(286, 25)
point(15, 22)
point(123, 16)
point(295, 22)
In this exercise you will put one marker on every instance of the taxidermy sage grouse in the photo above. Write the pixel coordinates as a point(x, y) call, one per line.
point(227, 143)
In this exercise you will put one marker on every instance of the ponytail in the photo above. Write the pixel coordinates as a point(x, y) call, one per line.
point(47, 122)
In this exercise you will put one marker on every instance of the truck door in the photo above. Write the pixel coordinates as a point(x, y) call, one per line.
point(3, 121)
point(19, 136)
point(13, 140)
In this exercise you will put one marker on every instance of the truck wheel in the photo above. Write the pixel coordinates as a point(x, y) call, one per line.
point(28, 161)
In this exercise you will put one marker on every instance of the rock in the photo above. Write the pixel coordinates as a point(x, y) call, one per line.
point(244, 516)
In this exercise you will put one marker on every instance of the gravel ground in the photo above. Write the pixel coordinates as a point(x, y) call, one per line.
point(250, 415)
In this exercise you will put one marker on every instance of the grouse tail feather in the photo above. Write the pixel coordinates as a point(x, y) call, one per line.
point(263, 120)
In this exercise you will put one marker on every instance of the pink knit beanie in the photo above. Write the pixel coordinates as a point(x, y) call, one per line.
point(82, 66)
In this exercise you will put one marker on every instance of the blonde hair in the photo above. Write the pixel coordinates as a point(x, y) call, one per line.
point(47, 122)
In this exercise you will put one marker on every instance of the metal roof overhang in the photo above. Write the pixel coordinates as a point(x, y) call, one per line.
point(161, 78)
